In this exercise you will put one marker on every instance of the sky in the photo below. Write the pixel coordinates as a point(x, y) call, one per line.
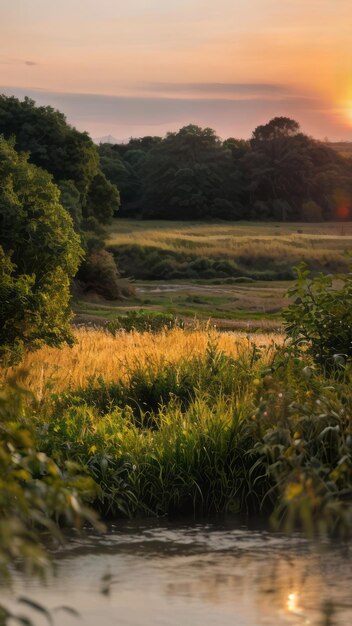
point(145, 67)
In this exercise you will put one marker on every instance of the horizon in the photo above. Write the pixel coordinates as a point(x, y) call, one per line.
point(147, 68)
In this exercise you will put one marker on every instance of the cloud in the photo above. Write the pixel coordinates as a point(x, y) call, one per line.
point(17, 62)
point(232, 89)
point(125, 116)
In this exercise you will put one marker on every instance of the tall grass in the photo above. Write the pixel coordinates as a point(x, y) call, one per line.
point(174, 249)
point(194, 422)
point(98, 354)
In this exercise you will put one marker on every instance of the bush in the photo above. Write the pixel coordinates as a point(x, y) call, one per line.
point(320, 318)
point(35, 492)
point(39, 254)
point(144, 321)
point(100, 274)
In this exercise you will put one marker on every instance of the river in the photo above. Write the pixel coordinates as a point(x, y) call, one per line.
point(214, 574)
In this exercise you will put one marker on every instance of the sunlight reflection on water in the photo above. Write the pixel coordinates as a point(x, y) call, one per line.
point(198, 574)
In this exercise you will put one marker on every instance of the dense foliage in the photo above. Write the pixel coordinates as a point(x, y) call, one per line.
point(213, 433)
point(72, 159)
point(36, 494)
point(320, 317)
point(39, 254)
point(60, 149)
point(279, 174)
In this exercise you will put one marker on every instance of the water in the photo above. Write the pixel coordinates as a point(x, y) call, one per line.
point(197, 574)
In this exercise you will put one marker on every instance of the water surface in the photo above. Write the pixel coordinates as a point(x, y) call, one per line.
point(196, 574)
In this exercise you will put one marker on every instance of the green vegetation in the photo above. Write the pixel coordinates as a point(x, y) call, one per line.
point(162, 250)
point(72, 159)
point(320, 318)
point(214, 433)
point(36, 495)
point(143, 321)
point(69, 155)
point(39, 254)
point(280, 174)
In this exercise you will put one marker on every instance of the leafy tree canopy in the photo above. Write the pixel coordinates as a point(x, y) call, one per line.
point(54, 145)
point(39, 254)
point(184, 175)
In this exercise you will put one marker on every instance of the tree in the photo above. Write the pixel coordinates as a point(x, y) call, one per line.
point(57, 147)
point(103, 199)
point(39, 254)
point(277, 128)
point(285, 170)
point(184, 175)
point(70, 200)
point(123, 166)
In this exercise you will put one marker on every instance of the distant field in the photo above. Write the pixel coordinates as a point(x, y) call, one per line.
point(235, 274)
point(251, 306)
point(189, 250)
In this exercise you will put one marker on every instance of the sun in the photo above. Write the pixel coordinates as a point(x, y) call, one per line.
point(346, 109)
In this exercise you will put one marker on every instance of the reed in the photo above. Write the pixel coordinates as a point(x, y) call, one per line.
point(99, 354)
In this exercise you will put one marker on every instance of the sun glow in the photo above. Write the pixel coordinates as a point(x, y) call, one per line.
point(292, 602)
point(293, 607)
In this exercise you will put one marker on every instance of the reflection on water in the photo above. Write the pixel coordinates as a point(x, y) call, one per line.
point(174, 575)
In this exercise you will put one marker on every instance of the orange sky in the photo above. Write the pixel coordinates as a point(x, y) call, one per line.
point(147, 66)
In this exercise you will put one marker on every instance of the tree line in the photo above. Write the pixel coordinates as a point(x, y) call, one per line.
point(279, 174)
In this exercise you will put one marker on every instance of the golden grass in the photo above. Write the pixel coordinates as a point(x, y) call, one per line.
point(98, 353)
point(235, 239)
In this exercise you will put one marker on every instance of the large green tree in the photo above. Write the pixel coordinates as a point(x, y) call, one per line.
point(54, 145)
point(185, 176)
point(39, 254)
point(123, 165)
point(287, 170)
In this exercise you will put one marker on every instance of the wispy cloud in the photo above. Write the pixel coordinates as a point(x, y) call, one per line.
point(231, 89)
point(6, 61)
point(126, 116)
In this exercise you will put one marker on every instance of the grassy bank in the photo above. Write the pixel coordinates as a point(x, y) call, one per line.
point(195, 422)
point(166, 250)
point(247, 306)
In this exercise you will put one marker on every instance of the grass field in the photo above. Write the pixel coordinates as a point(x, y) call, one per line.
point(240, 306)
point(194, 422)
point(98, 354)
point(235, 274)
point(156, 250)
point(249, 244)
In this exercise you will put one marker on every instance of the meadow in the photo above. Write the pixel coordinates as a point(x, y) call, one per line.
point(158, 250)
point(195, 422)
point(235, 274)
point(99, 356)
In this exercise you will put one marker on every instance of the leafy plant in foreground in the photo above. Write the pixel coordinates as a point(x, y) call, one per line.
point(320, 318)
point(36, 495)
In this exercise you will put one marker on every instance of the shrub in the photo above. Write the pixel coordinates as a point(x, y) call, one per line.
point(142, 320)
point(100, 274)
point(320, 317)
